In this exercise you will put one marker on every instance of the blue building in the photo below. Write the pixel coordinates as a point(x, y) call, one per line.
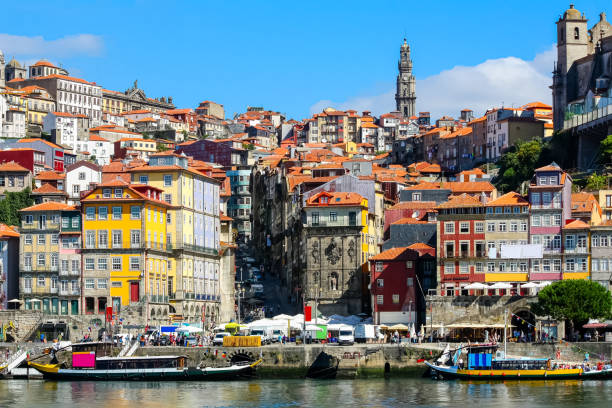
point(239, 204)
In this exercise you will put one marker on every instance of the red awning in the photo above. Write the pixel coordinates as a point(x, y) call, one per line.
point(596, 325)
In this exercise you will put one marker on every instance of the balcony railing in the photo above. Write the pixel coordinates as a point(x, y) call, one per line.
point(69, 292)
point(575, 250)
point(27, 290)
point(69, 272)
point(596, 114)
point(546, 206)
point(194, 248)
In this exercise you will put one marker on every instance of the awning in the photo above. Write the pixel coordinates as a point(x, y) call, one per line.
point(477, 326)
point(597, 325)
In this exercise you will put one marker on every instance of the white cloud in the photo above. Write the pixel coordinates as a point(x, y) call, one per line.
point(509, 80)
point(39, 47)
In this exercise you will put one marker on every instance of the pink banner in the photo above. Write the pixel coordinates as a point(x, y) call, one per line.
point(84, 359)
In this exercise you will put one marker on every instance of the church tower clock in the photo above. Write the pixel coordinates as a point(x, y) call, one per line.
point(405, 96)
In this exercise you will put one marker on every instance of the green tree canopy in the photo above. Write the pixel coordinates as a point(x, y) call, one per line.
point(574, 300)
point(12, 203)
point(596, 182)
point(518, 164)
point(605, 150)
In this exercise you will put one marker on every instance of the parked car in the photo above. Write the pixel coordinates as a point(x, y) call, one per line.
point(218, 339)
point(346, 336)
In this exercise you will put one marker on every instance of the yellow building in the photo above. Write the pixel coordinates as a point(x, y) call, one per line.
point(125, 238)
point(193, 232)
point(576, 250)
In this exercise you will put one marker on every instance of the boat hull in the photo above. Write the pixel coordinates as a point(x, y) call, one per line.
point(505, 375)
point(54, 372)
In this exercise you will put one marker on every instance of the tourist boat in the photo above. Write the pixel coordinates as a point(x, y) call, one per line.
point(92, 361)
point(484, 362)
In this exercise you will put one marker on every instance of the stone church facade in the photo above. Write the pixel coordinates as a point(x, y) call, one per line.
point(333, 277)
point(405, 96)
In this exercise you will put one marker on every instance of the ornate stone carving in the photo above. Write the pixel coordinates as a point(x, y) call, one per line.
point(315, 252)
point(333, 252)
point(351, 252)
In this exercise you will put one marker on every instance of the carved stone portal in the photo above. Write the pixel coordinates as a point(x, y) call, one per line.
point(333, 252)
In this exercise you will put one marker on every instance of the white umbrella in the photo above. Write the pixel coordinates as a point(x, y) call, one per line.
point(188, 329)
point(35, 300)
point(543, 284)
point(529, 285)
point(313, 327)
point(501, 285)
point(476, 285)
point(14, 301)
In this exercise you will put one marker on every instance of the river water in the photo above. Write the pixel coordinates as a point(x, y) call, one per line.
point(306, 393)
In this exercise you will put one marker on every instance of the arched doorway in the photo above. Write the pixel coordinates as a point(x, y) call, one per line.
point(523, 326)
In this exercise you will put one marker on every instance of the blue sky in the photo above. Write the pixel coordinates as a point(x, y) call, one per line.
point(297, 57)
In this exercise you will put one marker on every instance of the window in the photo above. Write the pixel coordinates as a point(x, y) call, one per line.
point(90, 283)
point(116, 213)
point(41, 282)
point(576, 33)
point(557, 220)
point(449, 227)
point(102, 283)
point(76, 189)
point(333, 216)
point(315, 218)
point(380, 283)
point(106, 193)
point(449, 268)
point(29, 219)
point(479, 267)
point(490, 227)
point(102, 264)
point(464, 267)
point(117, 241)
point(502, 227)
point(65, 222)
point(40, 260)
point(167, 180)
point(168, 198)
point(143, 179)
point(416, 196)
point(135, 212)
point(569, 265)
point(535, 220)
point(595, 240)
point(479, 227)
point(464, 227)
point(409, 282)
point(535, 198)
point(395, 298)
point(116, 264)
point(557, 265)
point(449, 246)
point(490, 266)
point(42, 239)
point(379, 266)
point(514, 226)
point(380, 299)
point(523, 226)
point(134, 263)
point(502, 267)
point(89, 264)
point(118, 193)
point(90, 213)
point(513, 266)
point(90, 239)
point(570, 243)
point(168, 218)
point(27, 240)
point(103, 213)
point(135, 238)
point(75, 222)
point(542, 180)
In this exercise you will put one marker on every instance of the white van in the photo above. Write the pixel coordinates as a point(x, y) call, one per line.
point(265, 334)
point(346, 335)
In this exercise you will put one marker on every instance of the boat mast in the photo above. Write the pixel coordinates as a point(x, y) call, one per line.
point(505, 326)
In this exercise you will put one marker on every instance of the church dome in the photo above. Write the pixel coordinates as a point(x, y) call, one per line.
point(13, 63)
point(572, 14)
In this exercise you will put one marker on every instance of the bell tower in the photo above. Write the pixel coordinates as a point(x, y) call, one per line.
point(2, 74)
point(405, 95)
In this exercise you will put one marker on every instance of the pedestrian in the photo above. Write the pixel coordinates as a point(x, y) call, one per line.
point(586, 357)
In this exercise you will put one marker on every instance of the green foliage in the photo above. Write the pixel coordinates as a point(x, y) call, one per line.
point(518, 164)
point(161, 147)
point(12, 203)
point(248, 146)
point(605, 150)
point(574, 300)
point(596, 182)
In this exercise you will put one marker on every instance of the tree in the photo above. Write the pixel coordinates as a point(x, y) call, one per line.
point(248, 146)
point(596, 182)
point(605, 150)
point(574, 300)
point(12, 203)
point(517, 165)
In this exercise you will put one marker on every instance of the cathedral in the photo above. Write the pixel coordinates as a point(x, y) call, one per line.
point(405, 95)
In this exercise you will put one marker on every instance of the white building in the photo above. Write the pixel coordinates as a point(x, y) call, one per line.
point(65, 127)
point(13, 124)
point(81, 176)
point(97, 147)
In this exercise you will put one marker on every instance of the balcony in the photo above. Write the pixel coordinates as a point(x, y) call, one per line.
point(575, 250)
point(192, 248)
point(546, 206)
point(69, 272)
point(597, 115)
point(69, 292)
point(26, 290)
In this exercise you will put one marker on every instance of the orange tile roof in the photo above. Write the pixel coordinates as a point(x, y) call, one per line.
point(135, 112)
point(470, 186)
point(50, 175)
point(67, 78)
point(511, 198)
point(420, 245)
point(12, 166)
point(408, 220)
point(464, 200)
point(576, 224)
point(551, 167)
point(32, 140)
point(536, 105)
point(50, 206)
point(97, 138)
point(335, 199)
point(43, 63)
point(112, 130)
point(413, 205)
point(7, 231)
point(47, 188)
point(395, 254)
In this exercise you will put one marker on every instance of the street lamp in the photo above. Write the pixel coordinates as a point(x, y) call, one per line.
point(239, 294)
